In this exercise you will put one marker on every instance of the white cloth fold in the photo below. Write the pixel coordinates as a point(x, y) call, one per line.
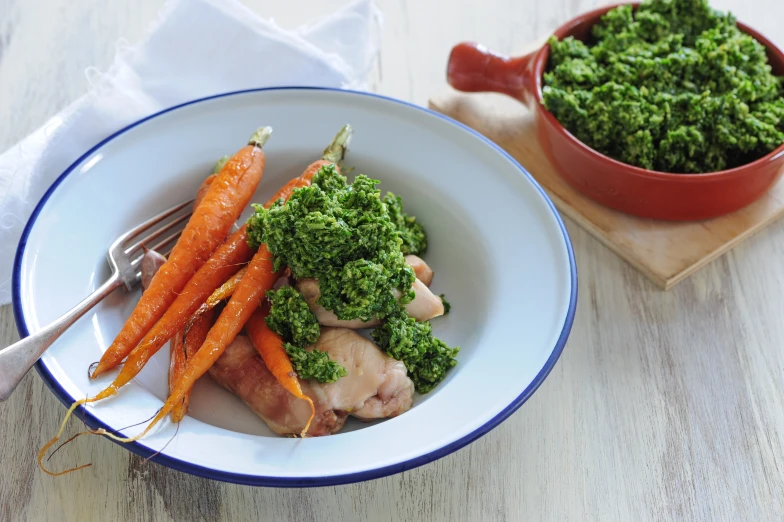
point(195, 48)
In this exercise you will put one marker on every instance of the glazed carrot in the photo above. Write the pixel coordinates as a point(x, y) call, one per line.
point(259, 278)
point(227, 289)
point(332, 154)
point(184, 345)
point(203, 189)
point(199, 326)
point(207, 228)
point(224, 291)
point(225, 262)
point(177, 361)
point(253, 286)
point(205, 185)
point(222, 265)
point(270, 347)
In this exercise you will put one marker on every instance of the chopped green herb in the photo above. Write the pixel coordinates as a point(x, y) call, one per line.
point(291, 318)
point(352, 242)
point(674, 86)
point(411, 233)
point(427, 358)
point(447, 306)
point(342, 236)
point(314, 364)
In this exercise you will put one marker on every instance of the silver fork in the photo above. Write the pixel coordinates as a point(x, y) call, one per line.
point(124, 258)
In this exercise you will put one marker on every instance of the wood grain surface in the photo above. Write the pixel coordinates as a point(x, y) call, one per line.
point(664, 406)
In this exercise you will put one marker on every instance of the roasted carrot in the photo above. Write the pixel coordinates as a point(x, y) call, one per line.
point(259, 278)
point(205, 185)
point(184, 345)
point(225, 262)
point(270, 347)
point(177, 362)
point(207, 228)
point(242, 310)
point(196, 333)
point(333, 154)
point(336, 150)
point(222, 265)
point(224, 291)
point(200, 324)
point(203, 189)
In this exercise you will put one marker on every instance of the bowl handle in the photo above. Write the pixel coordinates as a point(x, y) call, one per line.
point(474, 68)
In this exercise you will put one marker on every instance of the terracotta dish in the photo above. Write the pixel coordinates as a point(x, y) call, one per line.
point(645, 193)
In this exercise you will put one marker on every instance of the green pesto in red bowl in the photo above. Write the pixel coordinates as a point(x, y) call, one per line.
point(612, 183)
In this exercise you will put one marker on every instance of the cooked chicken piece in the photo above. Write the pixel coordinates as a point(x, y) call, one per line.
point(424, 307)
point(376, 386)
point(241, 371)
point(422, 271)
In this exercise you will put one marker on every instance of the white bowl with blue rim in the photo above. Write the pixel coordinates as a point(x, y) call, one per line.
point(499, 249)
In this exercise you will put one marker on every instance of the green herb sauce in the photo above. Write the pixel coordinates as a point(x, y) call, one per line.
point(314, 364)
point(426, 358)
point(291, 318)
point(674, 86)
point(411, 233)
point(342, 236)
point(447, 306)
point(352, 241)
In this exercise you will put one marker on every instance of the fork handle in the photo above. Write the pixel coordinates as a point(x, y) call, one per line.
point(17, 359)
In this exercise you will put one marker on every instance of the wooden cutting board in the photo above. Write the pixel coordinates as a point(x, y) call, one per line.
point(665, 252)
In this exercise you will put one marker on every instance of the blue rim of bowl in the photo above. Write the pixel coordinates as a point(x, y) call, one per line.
point(271, 481)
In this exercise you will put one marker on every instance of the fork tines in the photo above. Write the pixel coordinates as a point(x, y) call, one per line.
point(158, 233)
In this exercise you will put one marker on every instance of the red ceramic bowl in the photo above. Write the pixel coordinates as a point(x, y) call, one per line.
point(646, 193)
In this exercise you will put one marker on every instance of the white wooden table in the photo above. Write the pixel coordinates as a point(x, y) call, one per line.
point(664, 406)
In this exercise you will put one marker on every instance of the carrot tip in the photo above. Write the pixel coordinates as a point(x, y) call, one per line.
point(45, 448)
point(304, 432)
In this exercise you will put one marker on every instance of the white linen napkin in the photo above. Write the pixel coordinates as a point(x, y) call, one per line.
point(195, 48)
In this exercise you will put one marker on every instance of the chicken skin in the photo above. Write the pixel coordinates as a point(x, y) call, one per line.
point(241, 371)
point(421, 269)
point(376, 386)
